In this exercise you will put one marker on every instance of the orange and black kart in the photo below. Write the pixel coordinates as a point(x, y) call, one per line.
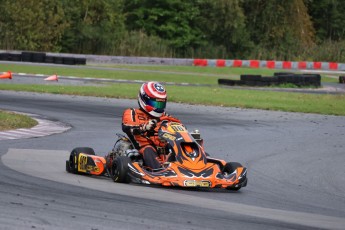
point(184, 162)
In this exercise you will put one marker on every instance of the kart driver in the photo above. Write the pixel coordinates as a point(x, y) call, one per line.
point(139, 123)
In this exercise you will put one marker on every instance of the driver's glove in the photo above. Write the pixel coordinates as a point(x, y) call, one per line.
point(150, 125)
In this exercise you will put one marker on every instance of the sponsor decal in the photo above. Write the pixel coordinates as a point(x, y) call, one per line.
point(197, 183)
point(92, 168)
point(169, 136)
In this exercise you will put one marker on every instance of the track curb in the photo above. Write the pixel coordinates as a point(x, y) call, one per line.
point(45, 127)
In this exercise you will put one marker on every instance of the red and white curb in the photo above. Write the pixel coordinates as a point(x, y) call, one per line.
point(299, 65)
point(45, 127)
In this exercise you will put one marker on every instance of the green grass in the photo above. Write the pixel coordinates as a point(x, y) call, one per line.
point(227, 72)
point(9, 120)
point(330, 78)
point(283, 101)
point(186, 74)
point(191, 69)
point(179, 74)
point(208, 95)
point(111, 74)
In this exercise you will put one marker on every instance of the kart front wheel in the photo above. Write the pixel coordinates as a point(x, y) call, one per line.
point(72, 163)
point(119, 169)
point(229, 168)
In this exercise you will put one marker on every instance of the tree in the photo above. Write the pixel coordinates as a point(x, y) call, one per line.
point(31, 24)
point(281, 27)
point(95, 26)
point(328, 18)
point(172, 20)
point(223, 23)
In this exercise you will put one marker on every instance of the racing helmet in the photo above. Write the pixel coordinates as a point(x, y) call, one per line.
point(152, 98)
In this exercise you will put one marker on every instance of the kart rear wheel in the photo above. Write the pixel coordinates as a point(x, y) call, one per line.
point(119, 169)
point(229, 168)
point(72, 163)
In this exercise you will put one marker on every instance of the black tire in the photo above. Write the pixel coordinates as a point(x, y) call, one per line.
point(342, 79)
point(49, 59)
point(226, 82)
point(251, 83)
point(268, 79)
point(72, 166)
point(68, 60)
point(38, 57)
point(119, 170)
point(80, 61)
point(283, 79)
point(248, 77)
point(15, 57)
point(229, 168)
point(68, 167)
point(312, 79)
point(283, 73)
point(58, 60)
point(4, 56)
point(27, 56)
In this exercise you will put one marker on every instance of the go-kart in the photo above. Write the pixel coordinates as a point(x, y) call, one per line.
point(183, 159)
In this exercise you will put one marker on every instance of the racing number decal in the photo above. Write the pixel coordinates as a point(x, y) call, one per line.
point(82, 163)
point(178, 128)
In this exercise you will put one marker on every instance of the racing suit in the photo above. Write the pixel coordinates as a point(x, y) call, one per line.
point(133, 121)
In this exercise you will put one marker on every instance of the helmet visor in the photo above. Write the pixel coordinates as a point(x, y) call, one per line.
point(156, 103)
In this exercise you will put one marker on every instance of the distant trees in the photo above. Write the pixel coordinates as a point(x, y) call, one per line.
point(278, 27)
point(328, 18)
point(173, 20)
point(94, 26)
point(223, 24)
point(262, 29)
point(31, 24)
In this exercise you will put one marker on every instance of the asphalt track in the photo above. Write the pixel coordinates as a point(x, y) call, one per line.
point(295, 162)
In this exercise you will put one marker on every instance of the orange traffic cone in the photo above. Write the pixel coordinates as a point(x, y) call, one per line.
point(52, 78)
point(7, 75)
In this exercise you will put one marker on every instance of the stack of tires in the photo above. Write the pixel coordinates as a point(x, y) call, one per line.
point(40, 57)
point(342, 79)
point(10, 57)
point(300, 80)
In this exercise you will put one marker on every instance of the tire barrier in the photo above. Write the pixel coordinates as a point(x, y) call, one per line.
point(270, 64)
point(300, 80)
point(40, 57)
point(342, 79)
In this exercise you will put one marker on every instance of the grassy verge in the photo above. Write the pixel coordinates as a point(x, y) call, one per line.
point(208, 95)
point(179, 74)
point(283, 101)
point(231, 73)
point(10, 121)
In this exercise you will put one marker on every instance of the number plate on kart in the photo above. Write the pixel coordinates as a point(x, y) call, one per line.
point(197, 183)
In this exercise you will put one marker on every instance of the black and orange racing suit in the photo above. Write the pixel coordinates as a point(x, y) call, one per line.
point(146, 142)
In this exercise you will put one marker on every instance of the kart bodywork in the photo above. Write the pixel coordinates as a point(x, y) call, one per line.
point(184, 162)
